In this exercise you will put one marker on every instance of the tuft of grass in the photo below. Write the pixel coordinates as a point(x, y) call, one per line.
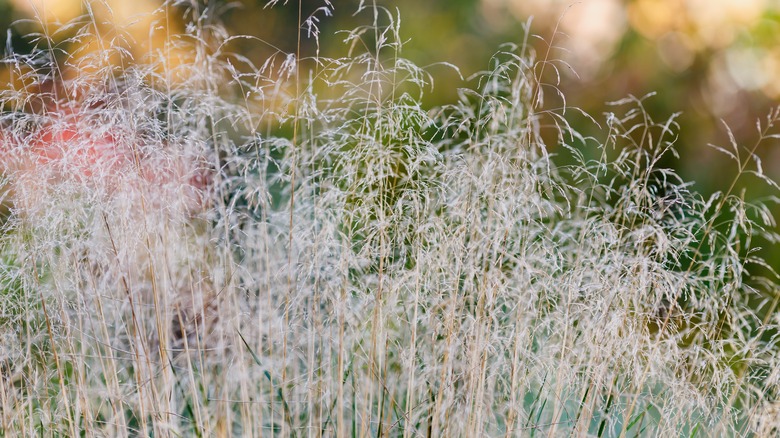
point(196, 245)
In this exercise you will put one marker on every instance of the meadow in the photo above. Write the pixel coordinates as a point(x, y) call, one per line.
point(199, 244)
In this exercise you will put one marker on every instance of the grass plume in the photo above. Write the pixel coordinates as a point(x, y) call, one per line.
point(196, 245)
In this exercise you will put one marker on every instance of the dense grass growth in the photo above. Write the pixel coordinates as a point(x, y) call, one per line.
point(198, 246)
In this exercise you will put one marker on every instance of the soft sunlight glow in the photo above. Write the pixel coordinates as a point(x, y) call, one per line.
point(50, 11)
point(589, 30)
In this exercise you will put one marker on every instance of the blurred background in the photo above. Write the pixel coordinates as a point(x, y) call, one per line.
point(714, 61)
point(711, 60)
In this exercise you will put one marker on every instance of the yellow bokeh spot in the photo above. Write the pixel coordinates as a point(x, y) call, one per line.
point(50, 11)
point(121, 33)
point(718, 21)
point(655, 18)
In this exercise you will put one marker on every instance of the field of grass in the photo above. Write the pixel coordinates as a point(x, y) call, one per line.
point(199, 244)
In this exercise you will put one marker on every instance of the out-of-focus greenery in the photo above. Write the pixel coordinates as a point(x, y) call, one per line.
point(714, 61)
point(710, 60)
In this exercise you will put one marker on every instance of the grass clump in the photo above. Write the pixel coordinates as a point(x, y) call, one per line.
point(198, 246)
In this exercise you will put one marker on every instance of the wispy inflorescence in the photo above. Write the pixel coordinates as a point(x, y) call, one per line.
point(194, 245)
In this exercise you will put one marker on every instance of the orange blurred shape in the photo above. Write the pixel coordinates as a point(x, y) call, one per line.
point(718, 21)
point(78, 148)
point(49, 11)
point(84, 152)
point(655, 18)
point(711, 23)
point(119, 33)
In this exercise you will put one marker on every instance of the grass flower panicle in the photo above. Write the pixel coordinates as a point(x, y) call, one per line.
point(210, 248)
